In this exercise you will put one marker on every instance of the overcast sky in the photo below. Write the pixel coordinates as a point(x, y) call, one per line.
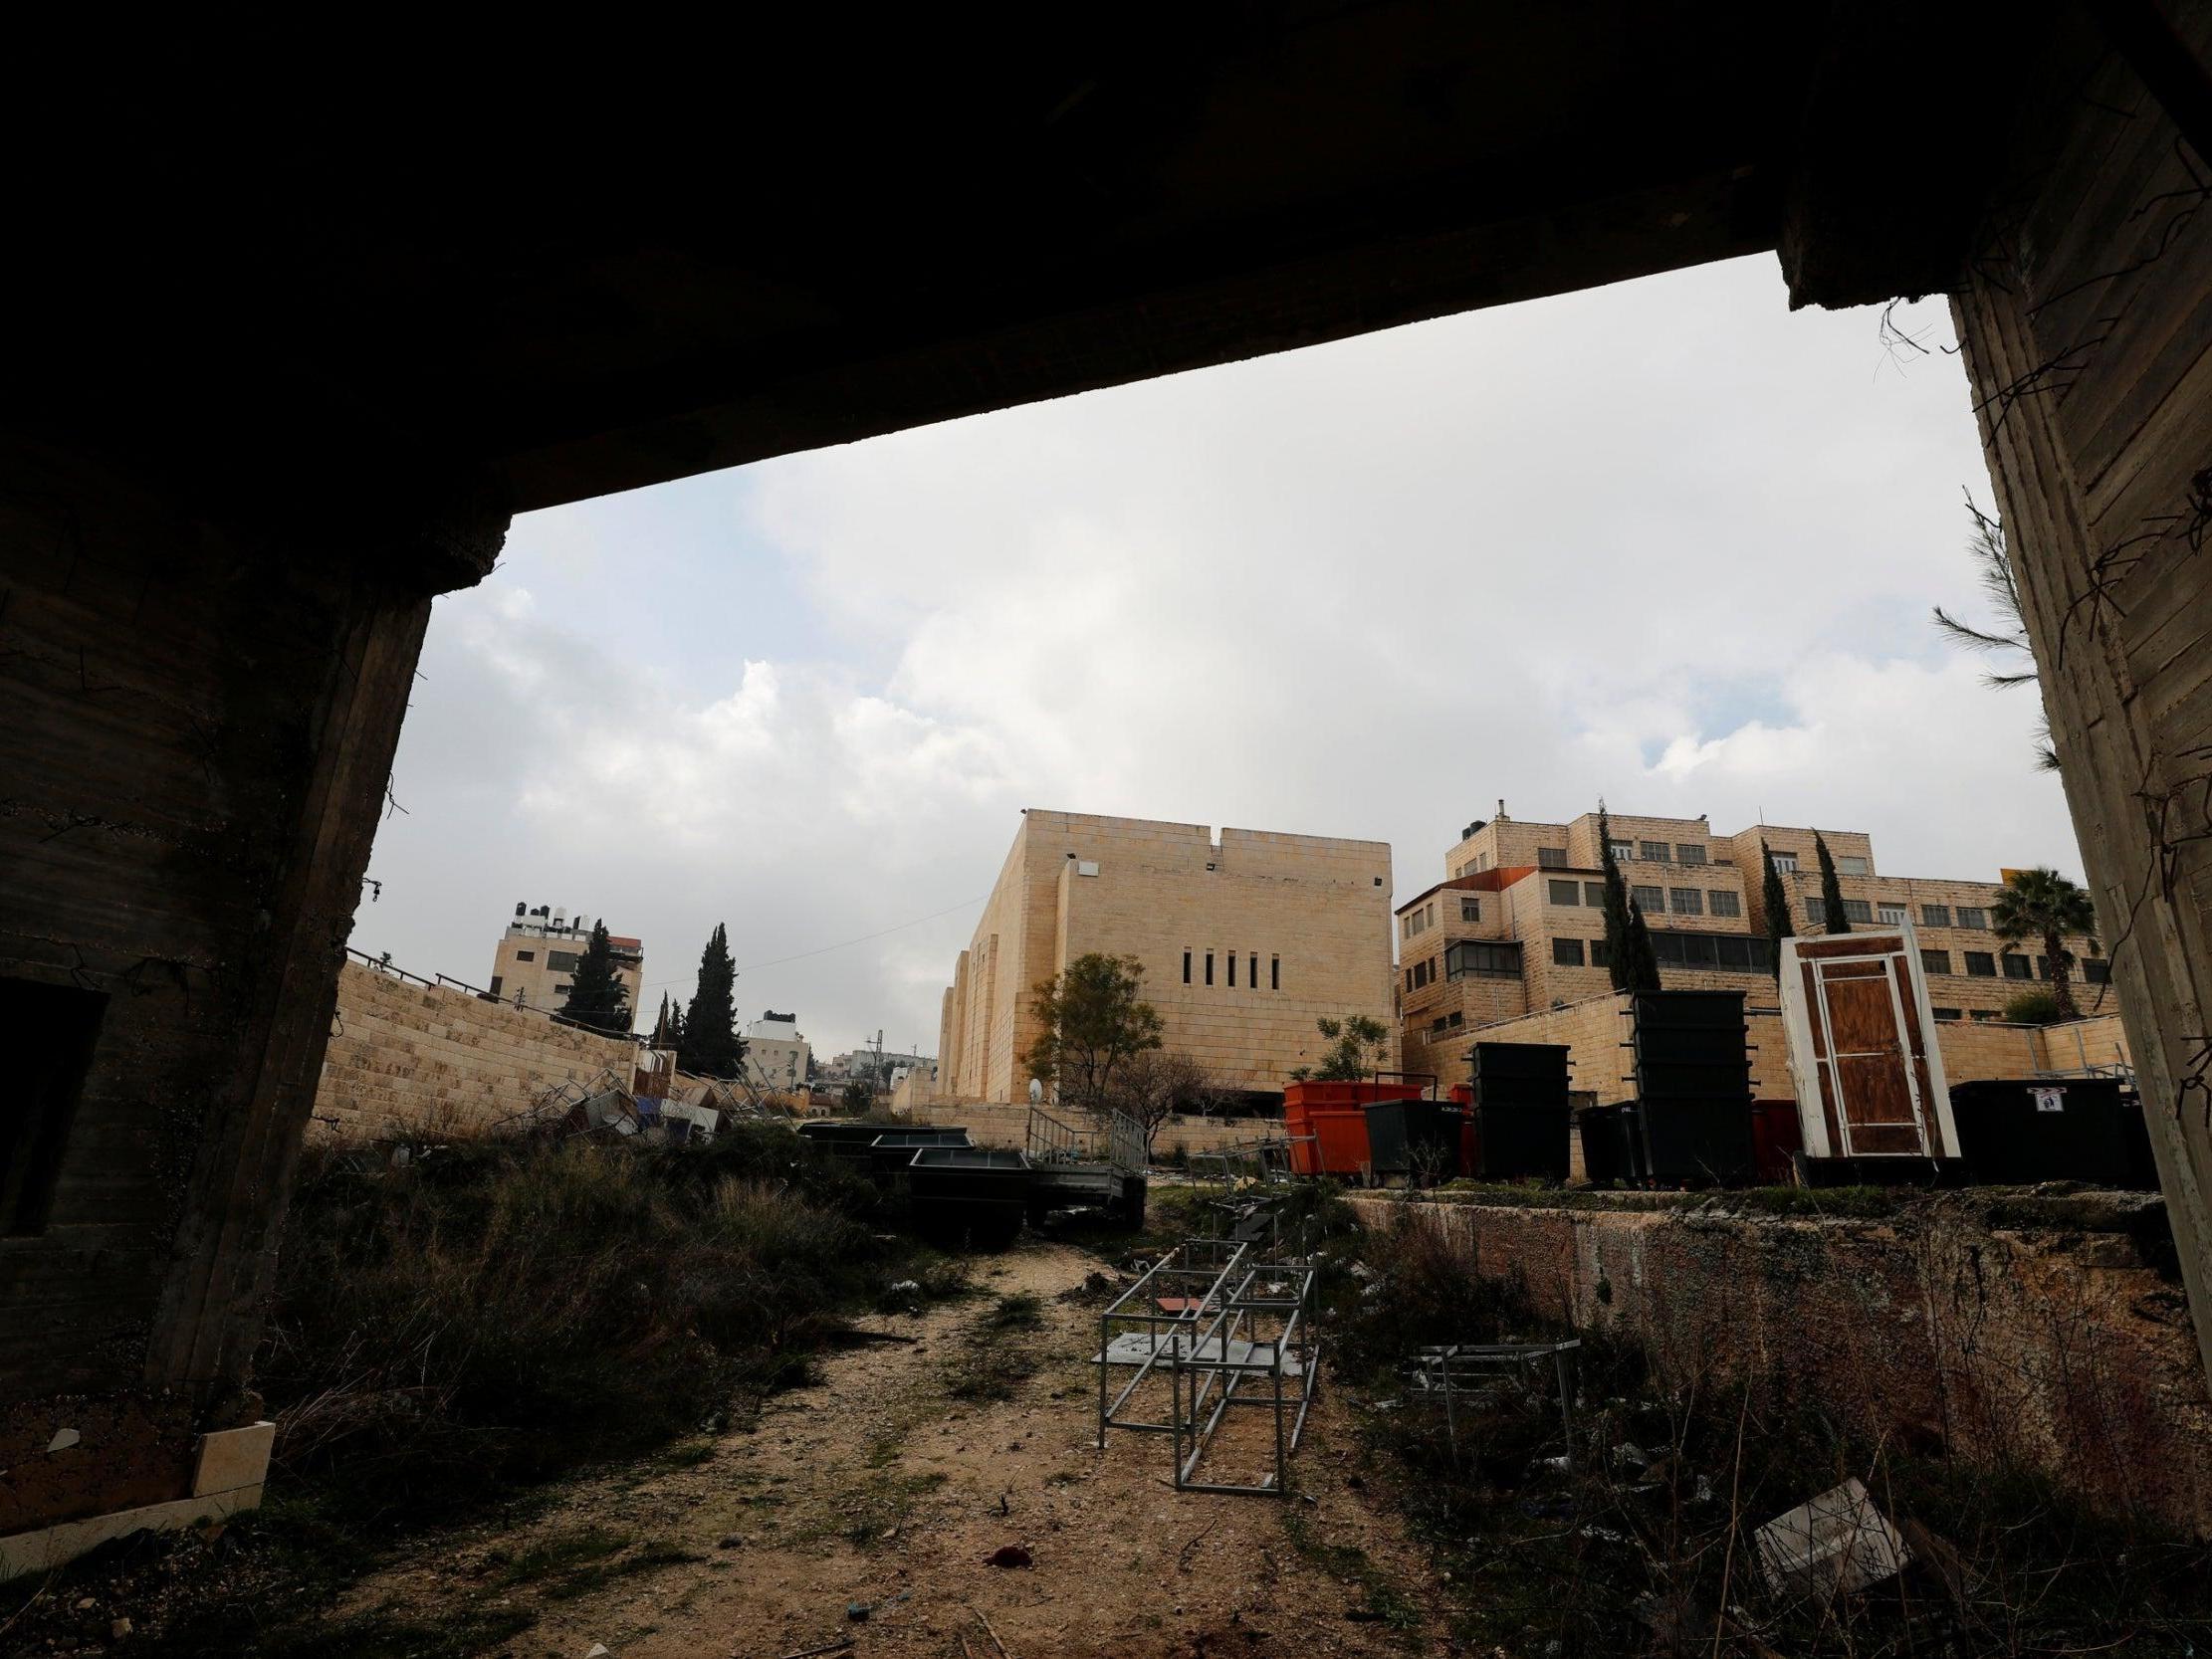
point(1664, 542)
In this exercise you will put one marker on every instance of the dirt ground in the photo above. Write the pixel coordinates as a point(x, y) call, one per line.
point(880, 1493)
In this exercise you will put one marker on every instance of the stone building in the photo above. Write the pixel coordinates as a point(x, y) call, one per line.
point(1518, 925)
point(537, 955)
point(776, 1055)
point(1245, 940)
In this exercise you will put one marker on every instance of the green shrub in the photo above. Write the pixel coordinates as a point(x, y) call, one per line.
point(2032, 1008)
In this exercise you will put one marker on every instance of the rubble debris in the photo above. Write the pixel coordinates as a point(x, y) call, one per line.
point(1839, 1543)
point(1009, 1555)
point(63, 1438)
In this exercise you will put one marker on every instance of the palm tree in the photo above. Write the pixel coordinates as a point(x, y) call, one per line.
point(2009, 639)
point(2041, 904)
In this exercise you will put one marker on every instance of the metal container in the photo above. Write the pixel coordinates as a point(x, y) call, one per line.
point(1327, 1124)
point(2025, 1130)
point(1692, 1066)
point(1415, 1141)
point(981, 1192)
point(891, 1152)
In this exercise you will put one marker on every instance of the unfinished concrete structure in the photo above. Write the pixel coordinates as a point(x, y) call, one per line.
point(297, 331)
point(1245, 938)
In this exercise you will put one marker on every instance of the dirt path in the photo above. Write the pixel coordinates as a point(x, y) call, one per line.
point(881, 1490)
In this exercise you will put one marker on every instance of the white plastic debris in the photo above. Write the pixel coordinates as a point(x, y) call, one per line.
point(1837, 1542)
point(598, 1650)
point(905, 1287)
point(63, 1438)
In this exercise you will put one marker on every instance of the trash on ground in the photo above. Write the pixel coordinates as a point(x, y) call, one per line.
point(1839, 1542)
point(1007, 1555)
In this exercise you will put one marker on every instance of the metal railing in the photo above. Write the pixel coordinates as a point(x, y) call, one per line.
point(1120, 1142)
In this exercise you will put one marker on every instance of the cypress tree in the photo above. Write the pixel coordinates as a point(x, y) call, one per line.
point(1776, 904)
point(668, 1028)
point(1832, 891)
point(710, 1045)
point(596, 995)
point(1618, 952)
point(1643, 972)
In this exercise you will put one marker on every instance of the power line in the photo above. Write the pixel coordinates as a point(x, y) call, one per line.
point(842, 944)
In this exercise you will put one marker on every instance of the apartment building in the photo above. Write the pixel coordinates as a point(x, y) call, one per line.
point(1246, 937)
point(536, 958)
point(776, 1055)
point(1518, 924)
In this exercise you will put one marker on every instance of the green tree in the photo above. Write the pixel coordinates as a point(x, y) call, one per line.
point(1094, 1019)
point(709, 1043)
point(1630, 959)
point(2044, 906)
point(668, 1026)
point(1347, 1059)
point(2008, 639)
point(597, 998)
point(1832, 890)
point(1776, 902)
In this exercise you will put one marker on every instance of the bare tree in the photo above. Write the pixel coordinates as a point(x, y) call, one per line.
point(1152, 1086)
point(2008, 638)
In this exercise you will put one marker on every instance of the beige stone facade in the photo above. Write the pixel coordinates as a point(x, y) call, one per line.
point(1245, 940)
point(776, 1055)
point(537, 955)
point(405, 1058)
point(1518, 925)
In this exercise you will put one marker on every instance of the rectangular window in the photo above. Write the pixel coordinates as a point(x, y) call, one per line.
point(1185, 967)
point(1690, 852)
point(1566, 893)
point(1252, 979)
point(1470, 909)
point(562, 961)
point(1565, 952)
point(1892, 915)
point(561, 990)
point(1651, 900)
point(1851, 867)
point(1724, 903)
point(1210, 967)
point(1936, 915)
point(1408, 979)
point(2043, 967)
point(2097, 974)
point(1622, 849)
point(1233, 970)
point(496, 983)
point(1980, 965)
point(1816, 913)
point(1985, 1013)
point(33, 1129)
point(1438, 1026)
point(1593, 894)
point(1686, 901)
point(1430, 920)
point(526, 955)
point(1858, 910)
point(1483, 961)
point(2018, 968)
point(1935, 962)
point(1728, 952)
point(1456, 1021)
point(1274, 973)
point(1551, 858)
point(1785, 863)
point(1659, 851)
point(1599, 956)
point(1972, 915)
point(1945, 1014)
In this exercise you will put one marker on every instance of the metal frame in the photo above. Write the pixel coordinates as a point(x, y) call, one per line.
point(1198, 1270)
point(1261, 1330)
point(1457, 1369)
point(1121, 1143)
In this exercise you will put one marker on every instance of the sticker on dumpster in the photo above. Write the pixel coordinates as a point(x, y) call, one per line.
point(2050, 1100)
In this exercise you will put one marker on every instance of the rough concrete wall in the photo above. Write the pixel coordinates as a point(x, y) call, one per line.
point(2085, 317)
point(409, 1059)
point(2056, 1347)
point(995, 1124)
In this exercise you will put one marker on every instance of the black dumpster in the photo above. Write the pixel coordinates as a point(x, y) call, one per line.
point(977, 1191)
point(1521, 1117)
point(890, 1152)
point(2080, 1128)
point(1417, 1141)
point(1692, 1064)
point(1605, 1149)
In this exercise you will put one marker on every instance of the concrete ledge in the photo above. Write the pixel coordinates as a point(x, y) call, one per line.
point(227, 1479)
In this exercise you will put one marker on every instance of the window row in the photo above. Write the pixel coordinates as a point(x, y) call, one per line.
point(1984, 965)
point(1414, 923)
point(1655, 901)
point(1891, 912)
point(1445, 1023)
point(1252, 973)
point(1650, 852)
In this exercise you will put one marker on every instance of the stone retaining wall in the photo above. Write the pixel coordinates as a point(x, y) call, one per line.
point(2003, 1327)
point(405, 1058)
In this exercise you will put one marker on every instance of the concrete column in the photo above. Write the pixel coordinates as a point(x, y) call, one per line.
point(2086, 322)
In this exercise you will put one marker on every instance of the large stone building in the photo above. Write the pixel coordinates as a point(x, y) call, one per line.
point(1245, 941)
point(1518, 924)
point(536, 961)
